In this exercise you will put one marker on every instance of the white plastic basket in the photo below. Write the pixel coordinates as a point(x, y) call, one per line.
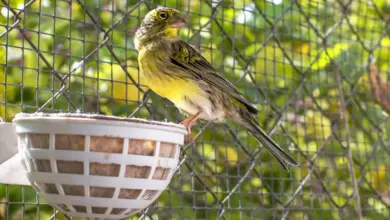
point(96, 166)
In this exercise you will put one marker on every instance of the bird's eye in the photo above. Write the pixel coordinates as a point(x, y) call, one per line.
point(163, 15)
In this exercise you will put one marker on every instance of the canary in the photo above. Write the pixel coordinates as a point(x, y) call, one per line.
point(175, 70)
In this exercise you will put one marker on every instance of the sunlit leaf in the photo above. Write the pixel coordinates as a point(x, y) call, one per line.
point(328, 55)
point(229, 154)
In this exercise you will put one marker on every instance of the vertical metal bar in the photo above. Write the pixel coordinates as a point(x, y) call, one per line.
point(69, 54)
point(7, 202)
point(37, 90)
point(6, 61)
point(84, 66)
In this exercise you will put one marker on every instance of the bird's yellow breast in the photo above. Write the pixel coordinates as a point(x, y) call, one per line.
point(173, 89)
point(185, 93)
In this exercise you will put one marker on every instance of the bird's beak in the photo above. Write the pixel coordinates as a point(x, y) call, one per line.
point(178, 21)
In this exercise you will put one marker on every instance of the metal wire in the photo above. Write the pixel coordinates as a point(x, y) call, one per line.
point(305, 65)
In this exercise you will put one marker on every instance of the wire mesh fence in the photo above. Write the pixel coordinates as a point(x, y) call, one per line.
point(318, 71)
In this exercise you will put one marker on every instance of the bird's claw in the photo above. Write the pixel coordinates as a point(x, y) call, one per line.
point(188, 137)
point(187, 123)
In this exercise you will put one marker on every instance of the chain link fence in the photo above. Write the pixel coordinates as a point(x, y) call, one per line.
point(318, 71)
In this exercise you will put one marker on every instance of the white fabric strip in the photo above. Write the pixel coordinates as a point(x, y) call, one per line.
point(128, 159)
point(87, 145)
point(99, 181)
point(95, 201)
point(95, 216)
point(138, 132)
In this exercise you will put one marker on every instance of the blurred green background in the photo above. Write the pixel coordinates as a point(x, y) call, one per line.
point(303, 63)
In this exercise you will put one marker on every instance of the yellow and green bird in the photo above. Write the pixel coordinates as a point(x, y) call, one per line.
point(175, 70)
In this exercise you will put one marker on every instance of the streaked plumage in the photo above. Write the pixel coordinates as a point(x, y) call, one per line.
point(175, 70)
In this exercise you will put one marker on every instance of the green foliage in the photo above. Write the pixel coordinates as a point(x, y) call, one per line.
point(275, 54)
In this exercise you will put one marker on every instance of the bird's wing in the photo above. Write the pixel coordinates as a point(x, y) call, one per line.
point(187, 58)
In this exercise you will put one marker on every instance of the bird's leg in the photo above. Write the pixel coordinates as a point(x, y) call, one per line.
point(188, 123)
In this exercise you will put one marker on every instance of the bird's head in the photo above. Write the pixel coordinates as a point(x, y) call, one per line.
point(162, 21)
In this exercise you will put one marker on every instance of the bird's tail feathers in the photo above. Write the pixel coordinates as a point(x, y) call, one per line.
point(254, 128)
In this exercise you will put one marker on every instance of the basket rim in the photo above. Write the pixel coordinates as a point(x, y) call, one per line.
point(97, 119)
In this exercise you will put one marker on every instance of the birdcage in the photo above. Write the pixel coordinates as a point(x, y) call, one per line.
point(317, 71)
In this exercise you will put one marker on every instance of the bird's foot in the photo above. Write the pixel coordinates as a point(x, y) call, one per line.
point(188, 124)
point(189, 138)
